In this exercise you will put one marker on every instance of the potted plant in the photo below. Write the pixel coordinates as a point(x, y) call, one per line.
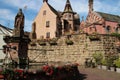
point(42, 42)
point(98, 59)
point(69, 42)
point(53, 41)
point(104, 63)
point(117, 63)
point(32, 43)
point(110, 58)
point(94, 36)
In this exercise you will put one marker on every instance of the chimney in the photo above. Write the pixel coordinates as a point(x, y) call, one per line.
point(90, 5)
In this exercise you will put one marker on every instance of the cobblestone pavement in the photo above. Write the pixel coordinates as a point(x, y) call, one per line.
point(97, 74)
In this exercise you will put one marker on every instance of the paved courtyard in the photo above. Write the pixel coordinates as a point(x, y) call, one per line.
point(97, 74)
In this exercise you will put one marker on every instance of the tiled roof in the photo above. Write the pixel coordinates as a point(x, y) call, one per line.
point(5, 30)
point(68, 7)
point(110, 17)
point(52, 9)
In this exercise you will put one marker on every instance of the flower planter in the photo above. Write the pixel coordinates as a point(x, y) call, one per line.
point(33, 44)
point(52, 43)
point(94, 38)
point(112, 69)
point(69, 42)
point(104, 67)
point(42, 44)
point(99, 67)
point(118, 70)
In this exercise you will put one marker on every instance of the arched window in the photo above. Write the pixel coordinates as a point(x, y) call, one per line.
point(116, 29)
point(108, 29)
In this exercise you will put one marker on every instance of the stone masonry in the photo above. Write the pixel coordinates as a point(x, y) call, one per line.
point(82, 48)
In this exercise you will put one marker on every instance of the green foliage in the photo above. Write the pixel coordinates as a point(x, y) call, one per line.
point(110, 58)
point(69, 42)
point(94, 36)
point(32, 43)
point(116, 34)
point(117, 62)
point(7, 71)
point(109, 61)
point(98, 57)
point(104, 62)
point(53, 41)
point(42, 42)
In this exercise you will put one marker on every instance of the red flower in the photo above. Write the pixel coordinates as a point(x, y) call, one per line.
point(19, 71)
point(60, 67)
point(45, 68)
point(48, 70)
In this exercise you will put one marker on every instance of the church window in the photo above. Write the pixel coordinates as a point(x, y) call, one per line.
point(48, 35)
point(108, 29)
point(44, 12)
point(116, 29)
point(47, 23)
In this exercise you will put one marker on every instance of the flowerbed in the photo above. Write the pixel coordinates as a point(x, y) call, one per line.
point(47, 72)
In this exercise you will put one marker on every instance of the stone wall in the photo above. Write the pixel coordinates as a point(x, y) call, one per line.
point(82, 48)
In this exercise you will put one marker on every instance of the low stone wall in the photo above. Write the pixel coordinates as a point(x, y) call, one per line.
point(82, 48)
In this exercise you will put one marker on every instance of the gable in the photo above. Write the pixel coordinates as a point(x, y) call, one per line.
point(52, 9)
point(49, 10)
point(93, 18)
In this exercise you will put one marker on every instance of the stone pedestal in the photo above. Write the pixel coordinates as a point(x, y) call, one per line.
point(19, 54)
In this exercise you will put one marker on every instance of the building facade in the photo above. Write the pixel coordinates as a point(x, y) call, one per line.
point(101, 23)
point(4, 31)
point(50, 23)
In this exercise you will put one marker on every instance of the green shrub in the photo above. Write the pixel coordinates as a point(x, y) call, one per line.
point(98, 57)
point(104, 62)
point(117, 63)
point(116, 34)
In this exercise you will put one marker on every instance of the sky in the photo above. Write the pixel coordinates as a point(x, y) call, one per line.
point(9, 9)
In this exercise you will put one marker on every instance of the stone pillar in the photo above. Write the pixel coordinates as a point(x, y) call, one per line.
point(19, 40)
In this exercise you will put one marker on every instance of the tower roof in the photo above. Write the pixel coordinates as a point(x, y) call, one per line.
point(91, 5)
point(68, 7)
point(45, 0)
